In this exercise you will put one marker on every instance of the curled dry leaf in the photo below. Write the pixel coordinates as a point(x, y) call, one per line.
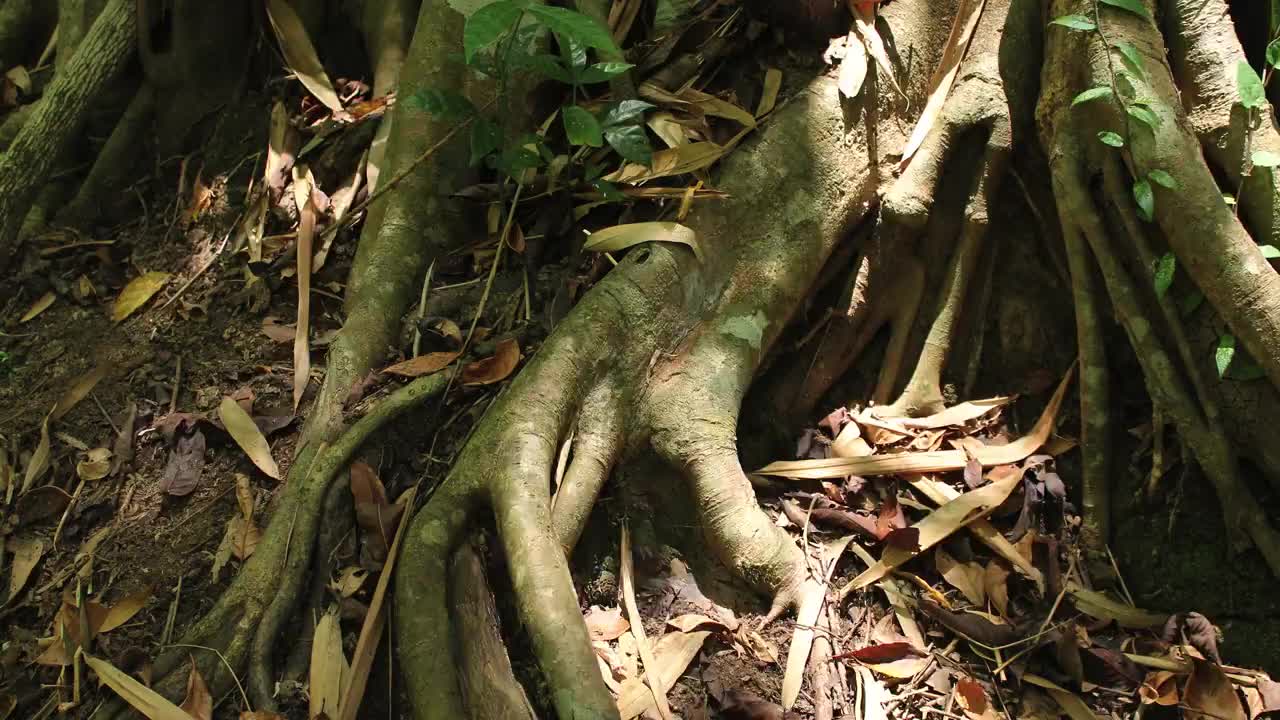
point(422, 365)
point(606, 624)
point(1160, 688)
point(1209, 694)
point(677, 160)
point(95, 465)
point(969, 577)
point(350, 581)
point(621, 237)
point(495, 368)
point(198, 703)
point(40, 305)
point(329, 668)
point(247, 435)
point(300, 54)
point(136, 294)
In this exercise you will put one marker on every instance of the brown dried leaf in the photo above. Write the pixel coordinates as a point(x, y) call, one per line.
point(329, 668)
point(198, 703)
point(303, 182)
point(996, 584)
point(969, 578)
point(672, 161)
point(40, 305)
point(606, 624)
point(493, 369)
point(124, 610)
point(272, 328)
point(1209, 694)
point(95, 465)
point(79, 391)
point(39, 463)
point(26, 555)
point(422, 365)
point(185, 464)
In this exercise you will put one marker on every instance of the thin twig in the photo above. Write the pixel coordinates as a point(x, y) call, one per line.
point(248, 706)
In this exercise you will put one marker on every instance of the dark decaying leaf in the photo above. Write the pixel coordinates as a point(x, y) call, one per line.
point(186, 461)
point(883, 653)
point(376, 516)
point(973, 472)
point(905, 539)
point(742, 705)
point(1201, 633)
point(1209, 694)
point(1105, 666)
point(41, 503)
point(968, 625)
point(122, 450)
point(199, 703)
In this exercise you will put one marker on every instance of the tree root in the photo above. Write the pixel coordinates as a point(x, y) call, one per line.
point(114, 163)
point(26, 165)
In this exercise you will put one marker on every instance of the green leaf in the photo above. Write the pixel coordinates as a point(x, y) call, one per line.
point(1134, 6)
point(1273, 53)
point(1131, 58)
point(669, 13)
point(1270, 252)
point(601, 72)
point(1190, 303)
point(488, 24)
point(1074, 22)
point(1245, 372)
point(609, 191)
point(1249, 85)
point(1266, 158)
point(1091, 94)
point(581, 127)
point(574, 52)
point(627, 111)
point(1163, 179)
point(546, 65)
point(1109, 138)
point(575, 26)
point(523, 155)
point(486, 138)
point(1166, 266)
point(1125, 85)
point(447, 104)
point(1144, 115)
point(1229, 199)
point(1223, 355)
point(1146, 200)
point(631, 142)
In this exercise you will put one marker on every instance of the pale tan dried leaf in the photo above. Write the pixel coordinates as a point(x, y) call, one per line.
point(995, 580)
point(621, 237)
point(299, 54)
point(666, 127)
point(849, 443)
point(247, 435)
point(281, 150)
point(689, 622)
point(881, 431)
point(853, 68)
point(652, 676)
point(350, 581)
point(874, 695)
point(813, 595)
point(672, 161)
point(505, 358)
point(306, 236)
point(79, 391)
point(966, 577)
point(244, 496)
point(904, 668)
point(671, 655)
point(136, 294)
point(272, 328)
point(1098, 605)
point(374, 622)
point(139, 696)
point(341, 203)
point(38, 465)
point(243, 535)
point(1161, 688)
point(423, 364)
point(957, 414)
point(198, 703)
point(966, 20)
point(711, 105)
point(329, 668)
point(769, 93)
point(124, 609)
point(606, 624)
point(864, 21)
point(1071, 704)
point(941, 524)
point(26, 555)
point(41, 304)
point(95, 466)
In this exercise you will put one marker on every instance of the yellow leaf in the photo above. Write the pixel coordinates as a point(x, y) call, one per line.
point(80, 390)
point(137, 293)
point(247, 435)
point(26, 555)
point(95, 466)
point(300, 54)
point(620, 237)
point(39, 463)
point(39, 306)
point(672, 161)
point(143, 699)
point(124, 610)
point(769, 95)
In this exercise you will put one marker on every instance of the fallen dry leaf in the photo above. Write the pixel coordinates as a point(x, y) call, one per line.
point(182, 471)
point(329, 668)
point(136, 294)
point(1209, 694)
point(139, 696)
point(124, 609)
point(621, 237)
point(79, 390)
point(1160, 688)
point(769, 93)
point(606, 624)
point(1071, 704)
point(376, 516)
point(853, 68)
point(495, 368)
point(968, 578)
point(26, 555)
point(652, 676)
point(272, 328)
point(247, 435)
point(38, 465)
point(299, 54)
point(995, 582)
point(198, 703)
point(40, 305)
point(422, 365)
point(813, 595)
point(966, 20)
point(95, 465)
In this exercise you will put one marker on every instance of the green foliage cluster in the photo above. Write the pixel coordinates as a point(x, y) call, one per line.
point(505, 39)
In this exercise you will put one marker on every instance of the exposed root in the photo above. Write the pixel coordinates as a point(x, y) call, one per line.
point(27, 164)
point(114, 163)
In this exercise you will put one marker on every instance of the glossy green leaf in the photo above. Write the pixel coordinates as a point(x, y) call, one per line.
point(575, 26)
point(1144, 115)
point(631, 142)
point(1244, 369)
point(546, 65)
point(1091, 94)
point(581, 127)
point(1134, 6)
point(1109, 138)
point(1166, 267)
point(1163, 179)
point(1223, 355)
point(609, 191)
point(1125, 86)
point(1131, 58)
point(1190, 303)
point(1249, 86)
point(1145, 199)
point(625, 112)
point(1270, 252)
point(486, 138)
point(1273, 53)
point(600, 72)
point(1074, 22)
point(487, 24)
